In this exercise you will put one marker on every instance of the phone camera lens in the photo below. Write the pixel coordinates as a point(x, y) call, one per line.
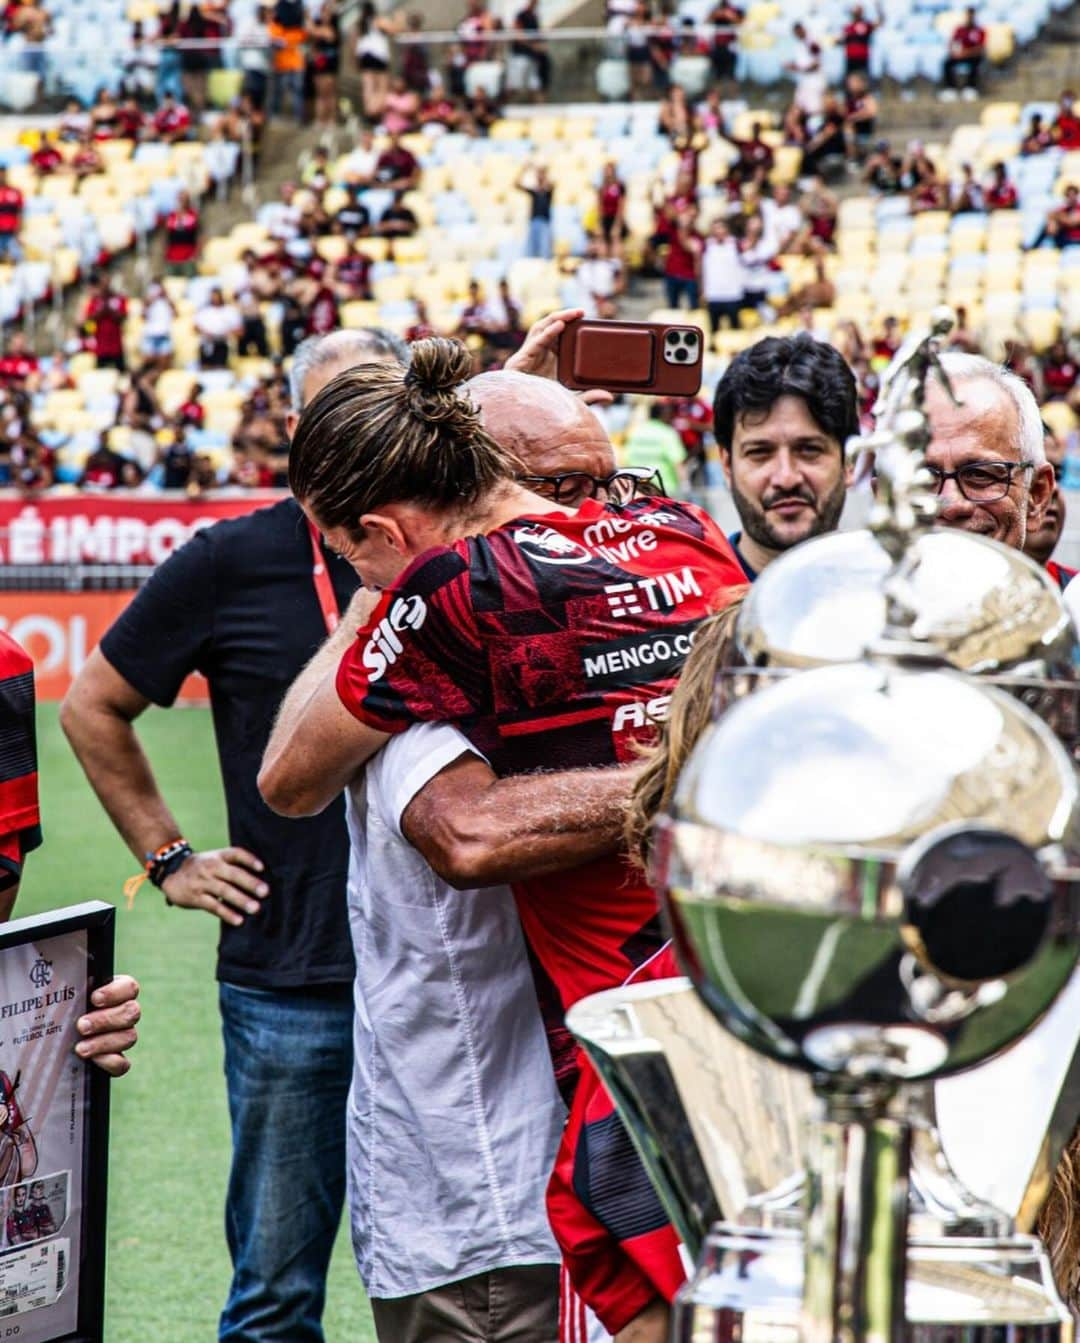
point(682, 356)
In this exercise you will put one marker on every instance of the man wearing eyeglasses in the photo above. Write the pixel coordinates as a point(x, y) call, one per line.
point(986, 452)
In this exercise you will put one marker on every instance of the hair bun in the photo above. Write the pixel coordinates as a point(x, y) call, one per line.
point(438, 365)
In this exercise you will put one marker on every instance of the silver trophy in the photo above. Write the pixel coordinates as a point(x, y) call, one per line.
point(869, 870)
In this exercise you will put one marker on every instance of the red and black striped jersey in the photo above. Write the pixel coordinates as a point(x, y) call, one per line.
point(552, 642)
point(20, 818)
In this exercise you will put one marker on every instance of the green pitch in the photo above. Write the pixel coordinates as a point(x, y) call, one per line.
point(168, 1264)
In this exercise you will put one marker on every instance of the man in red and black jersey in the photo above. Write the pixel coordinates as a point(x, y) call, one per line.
point(548, 639)
point(857, 36)
point(103, 320)
point(726, 19)
point(1041, 541)
point(11, 212)
point(18, 363)
point(182, 237)
point(1000, 193)
point(172, 120)
point(1066, 127)
point(966, 50)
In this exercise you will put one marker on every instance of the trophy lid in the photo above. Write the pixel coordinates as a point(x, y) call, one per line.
point(975, 605)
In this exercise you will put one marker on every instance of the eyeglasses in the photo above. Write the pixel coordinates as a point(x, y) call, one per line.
point(980, 482)
point(621, 487)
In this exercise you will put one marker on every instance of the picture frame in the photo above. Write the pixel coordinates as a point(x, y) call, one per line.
point(54, 1127)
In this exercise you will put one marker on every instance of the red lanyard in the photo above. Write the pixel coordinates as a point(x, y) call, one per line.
point(324, 589)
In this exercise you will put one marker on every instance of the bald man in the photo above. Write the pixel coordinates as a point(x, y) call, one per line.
point(247, 602)
point(448, 1031)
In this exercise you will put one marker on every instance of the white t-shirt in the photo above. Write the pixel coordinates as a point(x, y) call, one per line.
point(217, 323)
point(158, 317)
point(781, 221)
point(595, 278)
point(722, 278)
point(453, 1116)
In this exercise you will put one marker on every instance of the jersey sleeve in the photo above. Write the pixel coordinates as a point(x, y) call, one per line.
point(420, 657)
point(20, 815)
point(165, 633)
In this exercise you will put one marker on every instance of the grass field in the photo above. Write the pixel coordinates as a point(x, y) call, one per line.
point(168, 1265)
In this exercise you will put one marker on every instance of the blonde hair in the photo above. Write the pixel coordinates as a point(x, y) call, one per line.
point(380, 434)
point(691, 710)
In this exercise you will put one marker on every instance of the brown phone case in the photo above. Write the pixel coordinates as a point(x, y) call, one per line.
point(650, 358)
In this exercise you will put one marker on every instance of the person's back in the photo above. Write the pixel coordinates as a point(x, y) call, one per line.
point(655, 444)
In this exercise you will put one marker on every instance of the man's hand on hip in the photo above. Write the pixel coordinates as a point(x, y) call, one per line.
point(221, 881)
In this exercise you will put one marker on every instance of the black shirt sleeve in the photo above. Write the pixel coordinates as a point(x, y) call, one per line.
point(166, 632)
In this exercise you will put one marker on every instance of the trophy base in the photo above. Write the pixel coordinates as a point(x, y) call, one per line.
point(749, 1285)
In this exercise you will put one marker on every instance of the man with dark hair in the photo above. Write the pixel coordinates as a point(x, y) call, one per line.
point(247, 601)
point(783, 411)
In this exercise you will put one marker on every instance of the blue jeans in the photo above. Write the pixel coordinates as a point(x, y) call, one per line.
point(288, 1065)
point(675, 289)
point(538, 238)
point(287, 84)
point(168, 78)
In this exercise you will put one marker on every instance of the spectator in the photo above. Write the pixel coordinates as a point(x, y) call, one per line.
point(538, 238)
point(216, 323)
point(753, 154)
point(201, 28)
point(883, 170)
point(929, 191)
point(857, 37)
point(961, 337)
point(46, 159)
point(288, 38)
point(598, 279)
point(169, 80)
point(503, 326)
point(483, 112)
point(158, 316)
point(1059, 372)
point(756, 256)
point(442, 111)
point(11, 214)
point(358, 166)
point(691, 418)
point(74, 123)
point(883, 347)
point(675, 118)
point(810, 82)
point(320, 300)
point(965, 194)
point(140, 67)
point(221, 156)
point(172, 121)
point(966, 51)
point(87, 160)
point(820, 210)
point(783, 220)
point(1067, 124)
point(315, 175)
point(191, 413)
point(103, 116)
point(710, 115)
point(401, 108)
point(473, 319)
point(373, 34)
point(397, 221)
point(682, 266)
point(661, 49)
point(103, 322)
point(611, 209)
point(324, 59)
point(725, 18)
point(175, 463)
point(353, 219)
point(473, 30)
point(352, 274)
point(252, 337)
point(860, 118)
point(416, 63)
point(103, 469)
point(182, 237)
point(255, 55)
point(530, 48)
point(722, 276)
point(396, 169)
point(1000, 193)
point(130, 120)
point(421, 328)
point(636, 34)
point(1038, 137)
point(281, 218)
point(1062, 225)
point(829, 141)
point(18, 364)
point(655, 446)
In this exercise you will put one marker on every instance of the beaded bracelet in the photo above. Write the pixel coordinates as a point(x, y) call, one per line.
point(167, 859)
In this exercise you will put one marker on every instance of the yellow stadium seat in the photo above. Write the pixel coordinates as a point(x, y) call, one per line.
point(1060, 417)
point(1000, 42)
point(786, 163)
point(506, 129)
point(98, 382)
point(331, 248)
point(995, 116)
point(745, 121)
point(173, 388)
point(80, 363)
point(392, 288)
point(410, 251)
point(418, 143)
point(334, 198)
point(250, 368)
point(249, 235)
point(359, 313)
point(1042, 327)
point(931, 222)
point(222, 86)
point(375, 248)
point(948, 21)
point(218, 253)
point(545, 130)
point(58, 188)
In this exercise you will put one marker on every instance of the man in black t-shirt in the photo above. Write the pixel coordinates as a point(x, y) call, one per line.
point(247, 602)
point(538, 241)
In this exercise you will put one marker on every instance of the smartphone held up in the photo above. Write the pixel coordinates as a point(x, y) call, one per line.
point(647, 358)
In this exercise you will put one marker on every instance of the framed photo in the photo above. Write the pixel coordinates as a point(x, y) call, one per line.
point(54, 1128)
